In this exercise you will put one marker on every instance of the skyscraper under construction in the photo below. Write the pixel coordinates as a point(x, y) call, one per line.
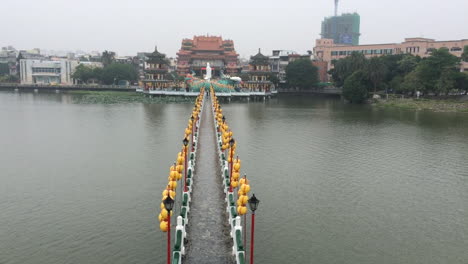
point(343, 29)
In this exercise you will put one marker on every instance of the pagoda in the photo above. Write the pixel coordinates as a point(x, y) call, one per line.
point(259, 74)
point(197, 52)
point(156, 69)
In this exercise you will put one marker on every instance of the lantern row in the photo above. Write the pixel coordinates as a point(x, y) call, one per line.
point(230, 169)
point(178, 171)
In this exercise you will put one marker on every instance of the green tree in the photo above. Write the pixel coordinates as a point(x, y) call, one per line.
point(302, 74)
point(446, 82)
point(376, 71)
point(407, 64)
point(83, 73)
point(464, 55)
point(355, 87)
point(395, 83)
point(272, 77)
point(4, 69)
point(107, 58)
point(116, 72)
point(343, 68)
point(412, 83)
point(461, 81)
point(430, 69)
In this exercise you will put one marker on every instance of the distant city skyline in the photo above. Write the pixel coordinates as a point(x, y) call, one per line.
point(128, 27)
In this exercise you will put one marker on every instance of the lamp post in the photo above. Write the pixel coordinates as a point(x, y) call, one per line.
point(253, 204)
point(168, 204)
point(185, 142)
point(231, 144)
point(193, 124)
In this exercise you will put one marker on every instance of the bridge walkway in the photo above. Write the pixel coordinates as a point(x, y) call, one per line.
point(208, 232)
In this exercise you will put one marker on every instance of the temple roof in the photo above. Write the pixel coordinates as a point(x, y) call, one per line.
point(157, 57)
point(259, 59)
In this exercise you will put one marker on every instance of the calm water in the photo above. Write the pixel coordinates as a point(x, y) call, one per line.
point(81, 183)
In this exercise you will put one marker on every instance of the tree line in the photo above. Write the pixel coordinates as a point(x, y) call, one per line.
point(111, 73)
point(438, 74)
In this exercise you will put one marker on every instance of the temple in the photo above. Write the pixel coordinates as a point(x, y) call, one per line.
point(197, 52)
point(156, 70)
point(259, 74)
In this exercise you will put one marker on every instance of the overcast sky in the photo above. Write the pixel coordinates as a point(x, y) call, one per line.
point(129, 26)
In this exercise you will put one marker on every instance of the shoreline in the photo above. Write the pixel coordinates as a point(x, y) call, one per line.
point(424, 104)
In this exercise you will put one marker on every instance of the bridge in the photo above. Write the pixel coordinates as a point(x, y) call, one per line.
point(212, 197)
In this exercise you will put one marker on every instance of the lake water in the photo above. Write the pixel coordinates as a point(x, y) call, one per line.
point(81, 183)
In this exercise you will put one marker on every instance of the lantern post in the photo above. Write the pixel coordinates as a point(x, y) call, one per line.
point(168, 204)
point(193, 124)
point(253, 204)
point(185, 142)
point(231, 144)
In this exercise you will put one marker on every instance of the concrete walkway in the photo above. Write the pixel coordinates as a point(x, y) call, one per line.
point(209, 240)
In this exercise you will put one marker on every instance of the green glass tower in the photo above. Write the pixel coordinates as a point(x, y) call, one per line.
point(342, 29)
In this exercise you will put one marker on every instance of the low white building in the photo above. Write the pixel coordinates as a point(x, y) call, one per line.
point(46, 72)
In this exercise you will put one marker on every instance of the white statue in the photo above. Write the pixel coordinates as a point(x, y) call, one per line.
point(208, 71)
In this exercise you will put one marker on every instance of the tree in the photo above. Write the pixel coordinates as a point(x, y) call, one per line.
point(407, 64)
point(83, 73)
point(302, 74)
point(430, 69)
point(396, 83)
point(355, 87)
point(272, 77)
point(464, 55)
point(376, 71)
point(4, 69)
point(116, 72)
point(461, 81)
point(343, 68)
point(107, 58)
point(412, 83)
point(446, 82)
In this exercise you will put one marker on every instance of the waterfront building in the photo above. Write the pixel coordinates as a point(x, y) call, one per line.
point(279, 60)
point(327, 50)
point(47, 71)
point(197, 52)
point(8, 57)
point(156, 71)
point(342, 29)
point(259, 74)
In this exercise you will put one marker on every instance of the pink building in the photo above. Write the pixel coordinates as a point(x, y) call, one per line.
point(326, 50)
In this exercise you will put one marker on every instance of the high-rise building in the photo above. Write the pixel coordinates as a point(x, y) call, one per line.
point(342, 29)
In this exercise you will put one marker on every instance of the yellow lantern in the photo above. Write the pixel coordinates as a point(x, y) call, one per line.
point(235, 176)
point(237, 166)
point(172, 185)
point(241, 210)
point(164, 226)
point(243, 180)
point(234, 183)
point(180, 168)
point(245, 188)
point(243, 199)
point(170, 192)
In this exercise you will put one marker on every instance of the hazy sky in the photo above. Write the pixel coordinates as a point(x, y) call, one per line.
point(129, 26)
